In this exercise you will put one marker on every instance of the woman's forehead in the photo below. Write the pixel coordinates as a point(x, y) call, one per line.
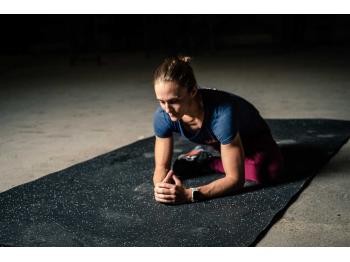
point(172, 89)
point(166, 85)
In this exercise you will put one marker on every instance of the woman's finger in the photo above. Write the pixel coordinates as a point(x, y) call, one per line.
point(163, 196)
point(177, 180)
point(168, 176)
point(165, 185)
point(164, 191)
point(163, 200)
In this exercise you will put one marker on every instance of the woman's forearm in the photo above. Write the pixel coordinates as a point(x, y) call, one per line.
point(159, 175)
point(220, 187)
point(232, 156)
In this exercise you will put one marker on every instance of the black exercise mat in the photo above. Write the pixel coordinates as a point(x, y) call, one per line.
point(108, 200)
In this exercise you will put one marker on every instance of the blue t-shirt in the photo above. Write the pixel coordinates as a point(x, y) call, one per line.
point(225, 115)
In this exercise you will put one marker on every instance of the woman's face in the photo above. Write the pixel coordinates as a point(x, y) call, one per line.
point(174, 100)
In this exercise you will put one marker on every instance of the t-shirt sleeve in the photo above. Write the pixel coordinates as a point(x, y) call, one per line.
point(161, 124)
point(225, 125)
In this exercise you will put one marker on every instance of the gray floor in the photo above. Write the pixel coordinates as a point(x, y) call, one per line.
point(53, 116)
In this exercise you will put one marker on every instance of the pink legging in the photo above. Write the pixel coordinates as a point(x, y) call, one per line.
point(265, 164)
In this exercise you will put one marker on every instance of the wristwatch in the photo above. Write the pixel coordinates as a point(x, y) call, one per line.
point(195, 194)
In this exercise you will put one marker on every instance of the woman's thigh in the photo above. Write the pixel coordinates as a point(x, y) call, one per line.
point(264, 165)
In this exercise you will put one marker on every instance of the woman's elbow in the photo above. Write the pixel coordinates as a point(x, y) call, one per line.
point(236, 183)
point(239, 184)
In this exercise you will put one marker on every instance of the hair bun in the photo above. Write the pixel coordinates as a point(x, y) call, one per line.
point(185, 59)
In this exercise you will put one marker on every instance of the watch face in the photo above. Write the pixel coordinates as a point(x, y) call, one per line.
point(196, 195)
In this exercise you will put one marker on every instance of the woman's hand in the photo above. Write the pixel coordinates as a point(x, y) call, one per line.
point(171, 190)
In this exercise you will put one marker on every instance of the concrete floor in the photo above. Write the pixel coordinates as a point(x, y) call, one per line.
point(53, 116)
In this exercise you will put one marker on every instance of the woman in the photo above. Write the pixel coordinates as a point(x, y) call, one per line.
point(224, 121)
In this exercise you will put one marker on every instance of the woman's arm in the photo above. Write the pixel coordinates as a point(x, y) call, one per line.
point(233, 161)
point(232, 156)
point(163, 151)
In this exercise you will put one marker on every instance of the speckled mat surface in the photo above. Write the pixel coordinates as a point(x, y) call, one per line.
point(108, 200)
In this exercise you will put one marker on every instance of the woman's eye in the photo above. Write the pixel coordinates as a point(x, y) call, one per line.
point(172, 102)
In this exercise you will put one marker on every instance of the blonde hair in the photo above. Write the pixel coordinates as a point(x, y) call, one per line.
point(176, 69)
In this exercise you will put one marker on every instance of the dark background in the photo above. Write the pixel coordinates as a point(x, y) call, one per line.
point(79, 34)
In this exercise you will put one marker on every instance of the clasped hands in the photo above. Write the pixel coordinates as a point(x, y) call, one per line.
point(171, 190)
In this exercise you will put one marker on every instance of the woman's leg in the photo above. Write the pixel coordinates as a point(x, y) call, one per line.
point(252, 168)
point(263, 166)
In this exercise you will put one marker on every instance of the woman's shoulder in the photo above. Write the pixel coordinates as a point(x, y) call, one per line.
point(160, 113)
point(162, 123)
point(217, 100)
point(215, 93)
point(160, 117)
point(204, 89)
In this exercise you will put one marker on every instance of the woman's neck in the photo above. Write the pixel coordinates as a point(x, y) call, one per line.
point(197, 111)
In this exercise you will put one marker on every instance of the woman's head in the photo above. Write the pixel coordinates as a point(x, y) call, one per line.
point(175, 86)
point(178, 70)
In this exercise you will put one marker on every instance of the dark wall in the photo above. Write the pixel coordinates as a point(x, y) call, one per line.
point(23, 34)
